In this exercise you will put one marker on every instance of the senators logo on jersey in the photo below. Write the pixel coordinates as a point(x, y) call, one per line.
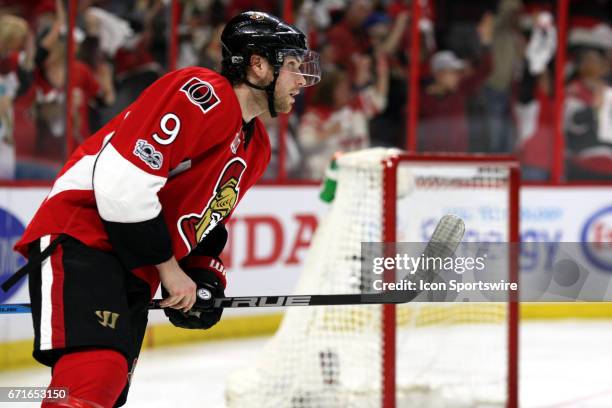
point(201, 93)
point(194, 227)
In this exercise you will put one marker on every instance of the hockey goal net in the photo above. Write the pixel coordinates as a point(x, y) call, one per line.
point(410, 355)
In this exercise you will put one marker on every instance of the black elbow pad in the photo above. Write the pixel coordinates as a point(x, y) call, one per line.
point(142, 243)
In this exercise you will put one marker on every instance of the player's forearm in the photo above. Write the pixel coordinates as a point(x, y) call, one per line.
point(167, 266)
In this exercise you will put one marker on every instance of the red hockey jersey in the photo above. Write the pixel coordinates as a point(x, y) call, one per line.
point(179, 150)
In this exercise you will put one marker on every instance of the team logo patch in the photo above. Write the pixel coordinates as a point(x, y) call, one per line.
point(194, 227)
point(201, 93)
point(147, 153)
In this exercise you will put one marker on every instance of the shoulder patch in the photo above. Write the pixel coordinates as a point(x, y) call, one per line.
point(201, 93)
point(147, 153)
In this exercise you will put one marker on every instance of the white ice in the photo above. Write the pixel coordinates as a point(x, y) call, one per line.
point(562, 364)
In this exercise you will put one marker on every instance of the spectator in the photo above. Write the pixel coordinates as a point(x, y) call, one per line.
point(44, 15)
point(443, 124)
point(348, 36)
point(49, 92)
point(400, 11)
point(337, 119)
point(149, 17)
point(135, 64)
point(588, 118)
point(108, 31)
point(534, 109)
point(16, 63)
point(313, 17)
point(105, 35)
point(327, 58)
point(385, 35)
point(200, 33)
point(505, 49)
point(210, 54)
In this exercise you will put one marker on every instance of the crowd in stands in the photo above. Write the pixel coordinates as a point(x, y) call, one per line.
point(486, 85)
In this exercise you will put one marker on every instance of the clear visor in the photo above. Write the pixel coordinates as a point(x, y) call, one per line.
point(304, 63)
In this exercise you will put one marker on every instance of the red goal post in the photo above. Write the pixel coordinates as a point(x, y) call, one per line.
point(389, 202)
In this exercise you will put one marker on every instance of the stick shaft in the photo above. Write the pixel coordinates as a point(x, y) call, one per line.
point(270, 301)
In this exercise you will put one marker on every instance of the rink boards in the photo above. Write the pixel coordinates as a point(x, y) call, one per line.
point(269, 237)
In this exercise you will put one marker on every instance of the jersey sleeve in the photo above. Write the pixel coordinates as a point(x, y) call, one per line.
point(166, 125)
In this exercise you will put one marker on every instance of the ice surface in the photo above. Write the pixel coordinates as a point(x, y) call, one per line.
point(562, 364)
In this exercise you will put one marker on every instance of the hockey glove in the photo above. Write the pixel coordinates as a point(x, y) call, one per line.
point(208, 275)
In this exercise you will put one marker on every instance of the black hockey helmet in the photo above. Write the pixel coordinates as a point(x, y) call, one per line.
point(255, 32)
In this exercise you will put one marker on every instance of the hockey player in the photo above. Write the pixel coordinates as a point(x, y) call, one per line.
point(145, 199)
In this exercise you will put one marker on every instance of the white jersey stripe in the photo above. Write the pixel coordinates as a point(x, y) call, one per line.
point(124, 192)
point(78, 177)
point(45, 301)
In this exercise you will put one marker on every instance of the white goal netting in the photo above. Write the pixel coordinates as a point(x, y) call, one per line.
point(447, 354)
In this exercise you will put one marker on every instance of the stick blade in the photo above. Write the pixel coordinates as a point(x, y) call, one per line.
point(446, 237)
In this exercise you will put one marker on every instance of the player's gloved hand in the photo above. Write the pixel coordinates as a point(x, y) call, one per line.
point(208, 275)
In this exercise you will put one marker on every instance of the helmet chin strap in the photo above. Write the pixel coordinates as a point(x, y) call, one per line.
point(269, 91)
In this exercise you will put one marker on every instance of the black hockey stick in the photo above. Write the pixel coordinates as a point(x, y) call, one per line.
point(443, 243)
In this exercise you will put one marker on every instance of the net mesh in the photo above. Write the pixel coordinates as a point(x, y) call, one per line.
point(327, 357)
